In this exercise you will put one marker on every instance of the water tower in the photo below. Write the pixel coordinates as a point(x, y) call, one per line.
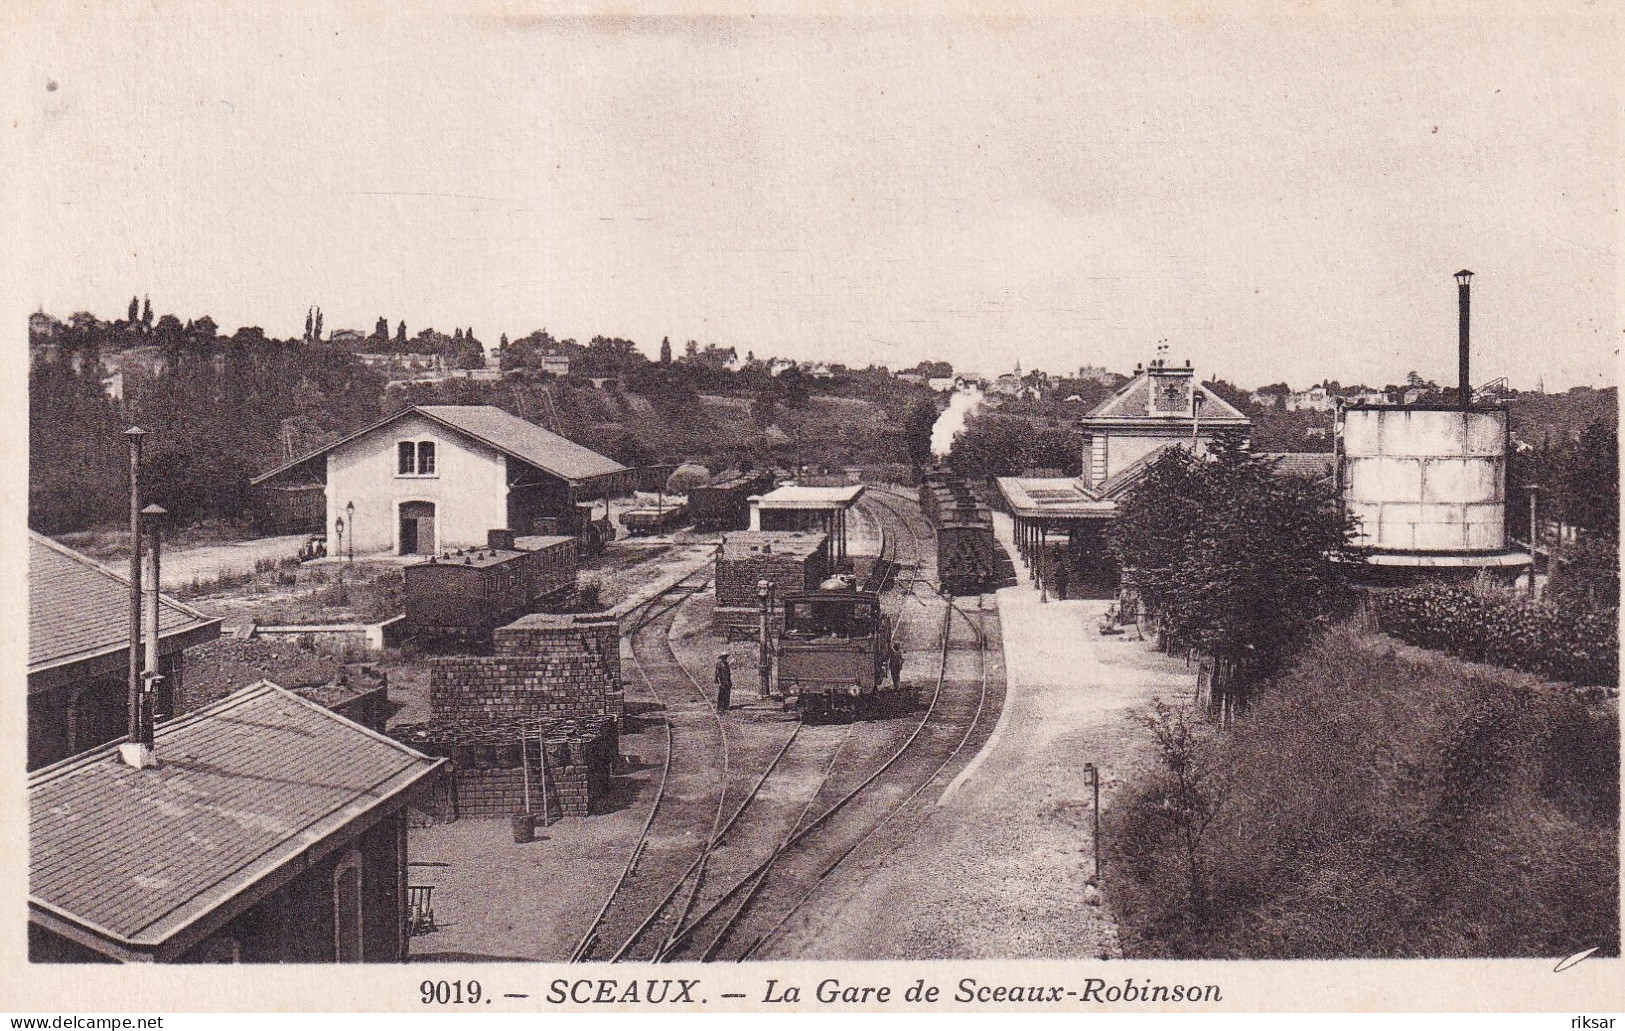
point(1426, 483)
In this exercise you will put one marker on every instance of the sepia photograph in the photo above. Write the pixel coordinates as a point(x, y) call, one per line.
point(1111, 489)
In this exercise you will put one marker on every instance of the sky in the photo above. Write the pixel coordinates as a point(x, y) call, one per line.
point(1276, 197)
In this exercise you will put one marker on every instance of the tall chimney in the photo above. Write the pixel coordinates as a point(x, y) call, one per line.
point(1463, 296)
point(135, 752)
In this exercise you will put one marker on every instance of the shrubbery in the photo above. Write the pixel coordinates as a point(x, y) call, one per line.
point(1375, 805)
point(1502, 627)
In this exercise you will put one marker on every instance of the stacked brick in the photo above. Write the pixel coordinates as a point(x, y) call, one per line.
point(489, 768)
point(792, 560)
point(544, 667)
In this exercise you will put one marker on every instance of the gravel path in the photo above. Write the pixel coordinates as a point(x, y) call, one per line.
point(1001, 867)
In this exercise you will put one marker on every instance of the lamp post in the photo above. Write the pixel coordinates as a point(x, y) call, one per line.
point(349, 510)
point(338, 529)
point(1094, 781)
point(137, 751)
point(1534, 490)
point(154, 517)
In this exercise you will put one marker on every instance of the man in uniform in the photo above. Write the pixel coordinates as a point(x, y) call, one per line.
point(894, 657)
point(725, 682)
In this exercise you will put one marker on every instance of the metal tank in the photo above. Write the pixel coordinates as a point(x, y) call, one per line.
point(1425, 479)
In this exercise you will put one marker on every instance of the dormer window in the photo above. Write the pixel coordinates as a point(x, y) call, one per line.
point(415, 458)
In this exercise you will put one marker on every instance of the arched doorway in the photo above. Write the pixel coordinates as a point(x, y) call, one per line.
point(417, 528)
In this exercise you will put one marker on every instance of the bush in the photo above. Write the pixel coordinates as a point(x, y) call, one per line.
point(1574, 642)
point(1375, 805)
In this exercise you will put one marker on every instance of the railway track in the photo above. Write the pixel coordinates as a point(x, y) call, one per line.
point(837, 820)
point(824, 793)
point(692, 790)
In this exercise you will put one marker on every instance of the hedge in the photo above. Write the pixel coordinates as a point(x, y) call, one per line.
point(1505, 628)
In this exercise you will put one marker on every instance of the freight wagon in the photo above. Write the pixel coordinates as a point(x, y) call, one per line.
point(457, 599)
point(655, 516)
point(725, 504)
point(968, 554)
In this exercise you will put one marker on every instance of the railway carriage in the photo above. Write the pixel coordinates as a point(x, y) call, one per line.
point(832, 653)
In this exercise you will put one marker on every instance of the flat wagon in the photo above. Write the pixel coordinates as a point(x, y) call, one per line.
point(655, 517)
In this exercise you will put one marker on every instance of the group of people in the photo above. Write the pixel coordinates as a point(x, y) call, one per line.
point(725, 678)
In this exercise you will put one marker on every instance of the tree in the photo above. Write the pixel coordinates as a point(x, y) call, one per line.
point(318, 334)
point(665, 350)
point(1236, 560)
point(135, 309)
point(691, 348)
point(917, 423)
point(400, 335)
point(310, 323)
point(1189, 794)
point(990, 445)
point(146, 312)
point(381, 330)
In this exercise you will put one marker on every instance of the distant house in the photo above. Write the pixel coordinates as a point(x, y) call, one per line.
point(912, 377)
point(943, 384)
point(1367, 397)
point(1265, 398)
point(819, 370)
point(78, 652)
point(1007, 385)
point(404, 361)
point(347, 338)
point(779, 366)
point(271, 830)
point(1097, 374)
point(555, 364)
point(1316, 399)
point(434, 477)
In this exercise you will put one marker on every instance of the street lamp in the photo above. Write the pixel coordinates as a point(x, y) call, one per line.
point(1534, 489)
point(349, 510)
point(338, 528)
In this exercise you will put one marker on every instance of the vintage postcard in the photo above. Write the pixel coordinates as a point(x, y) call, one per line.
point(1106, 508)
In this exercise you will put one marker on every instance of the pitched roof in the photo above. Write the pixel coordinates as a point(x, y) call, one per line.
point(79, 609)
point(497, 429)
point(1123, 480)
point(1133, 401)
point(524, 440)
point(243, 787)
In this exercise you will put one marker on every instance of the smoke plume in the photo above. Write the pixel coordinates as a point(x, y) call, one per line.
point(960, 408)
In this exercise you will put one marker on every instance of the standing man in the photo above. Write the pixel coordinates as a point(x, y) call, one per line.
point(725, 682)
point(894, 657)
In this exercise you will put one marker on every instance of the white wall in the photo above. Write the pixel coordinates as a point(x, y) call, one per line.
point(469, 488)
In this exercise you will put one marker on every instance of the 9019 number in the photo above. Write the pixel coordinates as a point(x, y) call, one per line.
point(449, 993)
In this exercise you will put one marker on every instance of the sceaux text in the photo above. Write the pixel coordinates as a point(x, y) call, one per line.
point(649, 991)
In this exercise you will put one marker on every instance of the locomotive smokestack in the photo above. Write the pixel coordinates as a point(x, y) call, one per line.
point(1464, 298)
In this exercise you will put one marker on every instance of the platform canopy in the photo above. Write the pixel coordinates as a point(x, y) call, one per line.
point(795, 507)
point(809, 499)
